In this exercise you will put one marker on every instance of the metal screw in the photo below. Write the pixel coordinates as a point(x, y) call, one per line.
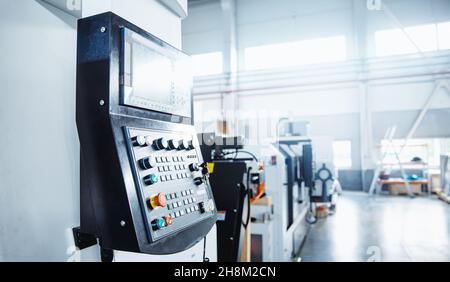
point(231, 238)
point(123, 223)
point(102, 102)
point(103, 29)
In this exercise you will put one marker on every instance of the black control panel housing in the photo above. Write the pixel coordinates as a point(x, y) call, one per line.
point(141, 189)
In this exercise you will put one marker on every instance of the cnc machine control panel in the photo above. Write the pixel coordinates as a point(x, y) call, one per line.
point(143, 183)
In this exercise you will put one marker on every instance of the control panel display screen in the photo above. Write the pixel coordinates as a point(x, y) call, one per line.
point(155, 78)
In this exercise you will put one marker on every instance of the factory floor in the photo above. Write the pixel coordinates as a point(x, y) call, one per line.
point(381, 228)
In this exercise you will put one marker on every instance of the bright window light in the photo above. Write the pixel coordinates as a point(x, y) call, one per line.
point(396, 42)
point(207, 64)
point(444, 35)
point(342, 154)
point(315, 51)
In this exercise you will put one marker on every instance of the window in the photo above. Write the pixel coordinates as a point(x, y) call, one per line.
point(322, 50)
point(431, 37)
point(342, 154)
point(207, 64)
point(444, 35)
point(396, 42)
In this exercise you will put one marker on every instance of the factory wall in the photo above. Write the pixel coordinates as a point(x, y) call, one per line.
point(39, 164)
point(333, 110)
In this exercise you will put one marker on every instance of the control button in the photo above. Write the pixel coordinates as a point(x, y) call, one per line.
point(150, 179)
point(196, 208)
point(158, 201)
point(201, 206)
point(191, 191)
point(148, 141)
point(167, 159)
point(191, 145)
point(186, 202)
point(139, 141)
point(173, 145)
point(205, 170)
point(158, 224)
point(169, 207)
point(184, 145)
point(147, 163)
point(198, 181)
point(168, 220)
point(183, 193)
point(193, 167)
point(178, 214)
point(160, 144)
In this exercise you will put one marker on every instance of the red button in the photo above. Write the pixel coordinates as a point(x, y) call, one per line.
point(168, 220)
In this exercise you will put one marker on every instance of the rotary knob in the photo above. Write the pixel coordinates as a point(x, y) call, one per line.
point(173, 145)
point(193, 167)
point(158, 201)
point(160, 144)
point(139, 141)
point(147, 163)
point(198, 181)
point(184, 145)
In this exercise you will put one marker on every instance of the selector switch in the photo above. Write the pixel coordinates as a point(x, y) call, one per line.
point(158, 201)
point(150, 179)
point(160, 144)
point(147, 163)
point(173, 145)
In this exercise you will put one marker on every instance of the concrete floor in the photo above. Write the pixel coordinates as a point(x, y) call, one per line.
point(381, 228)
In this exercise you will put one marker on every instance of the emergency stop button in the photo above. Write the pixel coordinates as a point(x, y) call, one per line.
point(158, 201)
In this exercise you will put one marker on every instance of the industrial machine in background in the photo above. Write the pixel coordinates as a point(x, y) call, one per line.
point(295, 186)
point(237, 181)
point(280, 222)
point(140, 189)
point(316, 153)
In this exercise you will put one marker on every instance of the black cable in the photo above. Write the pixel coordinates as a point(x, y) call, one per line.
point(248, 192)
point(205, 259)
point(251, 154)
